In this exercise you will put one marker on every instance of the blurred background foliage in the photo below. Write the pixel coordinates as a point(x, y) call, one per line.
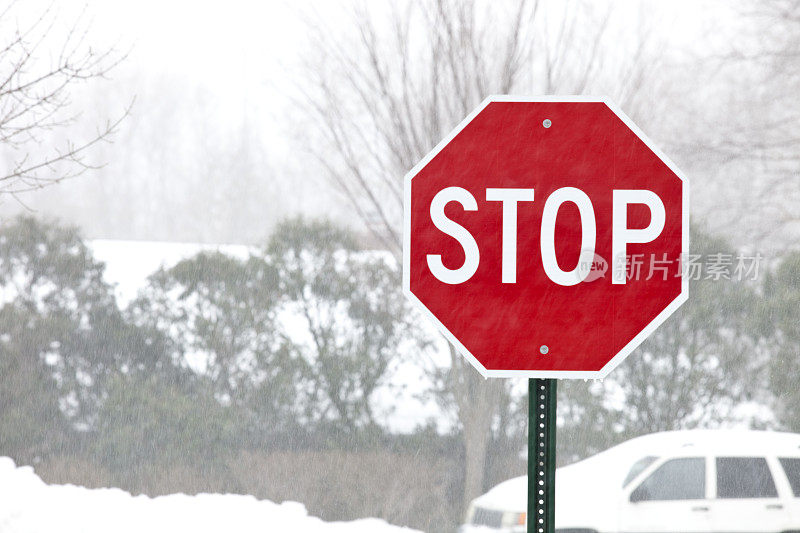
point(201, 383)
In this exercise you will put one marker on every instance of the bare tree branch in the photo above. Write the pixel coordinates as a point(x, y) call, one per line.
point(36, 109)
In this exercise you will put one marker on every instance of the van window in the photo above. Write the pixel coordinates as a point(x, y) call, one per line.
point(677, 479)
point(637, 468)
point(744, 477)
point(791, 465)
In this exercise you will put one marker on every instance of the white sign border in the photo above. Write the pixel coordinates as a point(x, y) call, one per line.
point(558, 374)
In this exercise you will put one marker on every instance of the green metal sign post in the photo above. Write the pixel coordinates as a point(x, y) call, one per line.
point(541, 455)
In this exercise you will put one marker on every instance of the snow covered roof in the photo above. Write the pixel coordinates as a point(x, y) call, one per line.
point(129, 263)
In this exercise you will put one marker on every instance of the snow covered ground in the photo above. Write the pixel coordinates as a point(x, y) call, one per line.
point(28, 505)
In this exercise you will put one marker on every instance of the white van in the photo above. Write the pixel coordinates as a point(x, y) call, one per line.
point(720, 481)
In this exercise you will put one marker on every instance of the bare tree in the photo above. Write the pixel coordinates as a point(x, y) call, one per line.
point(41, 65)
point(771, 137)
point(741, 128)
point(385, 92)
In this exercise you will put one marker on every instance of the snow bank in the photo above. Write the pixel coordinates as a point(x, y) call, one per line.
point(28, 505)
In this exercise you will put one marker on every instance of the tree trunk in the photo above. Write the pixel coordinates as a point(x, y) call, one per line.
point(477, 400)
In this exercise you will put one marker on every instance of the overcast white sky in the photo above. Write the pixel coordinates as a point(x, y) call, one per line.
point(245, 54)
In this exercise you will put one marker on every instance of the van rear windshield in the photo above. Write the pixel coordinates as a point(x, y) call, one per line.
point(791, 465)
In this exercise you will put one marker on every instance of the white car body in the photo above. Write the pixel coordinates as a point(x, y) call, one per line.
point(681, 496)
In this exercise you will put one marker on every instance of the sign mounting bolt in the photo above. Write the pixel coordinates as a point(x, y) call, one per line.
point(544, 349)
point(547, 123)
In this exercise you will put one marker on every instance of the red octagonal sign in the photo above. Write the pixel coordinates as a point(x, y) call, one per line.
point(544, 237)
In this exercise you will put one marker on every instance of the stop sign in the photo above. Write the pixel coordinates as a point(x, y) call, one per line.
point(544, 237)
